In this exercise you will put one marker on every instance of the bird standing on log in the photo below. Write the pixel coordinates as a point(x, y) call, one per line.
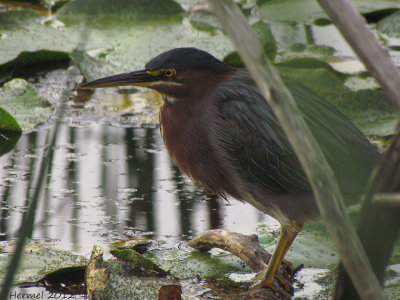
point(221, 132)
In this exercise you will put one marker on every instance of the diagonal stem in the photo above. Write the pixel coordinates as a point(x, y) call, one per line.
point(318, 171)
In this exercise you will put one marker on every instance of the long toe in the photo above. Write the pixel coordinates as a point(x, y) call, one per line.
point(268, 289)
point(280, 285)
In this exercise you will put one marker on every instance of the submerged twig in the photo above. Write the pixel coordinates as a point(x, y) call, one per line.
point(244, 246)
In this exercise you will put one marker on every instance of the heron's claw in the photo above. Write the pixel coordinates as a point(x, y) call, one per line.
point(263, 281)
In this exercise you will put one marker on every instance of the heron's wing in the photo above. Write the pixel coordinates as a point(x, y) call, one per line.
point(349, 153)
point(252, 139)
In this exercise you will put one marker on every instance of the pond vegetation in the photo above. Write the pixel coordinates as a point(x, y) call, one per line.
point(109, 177)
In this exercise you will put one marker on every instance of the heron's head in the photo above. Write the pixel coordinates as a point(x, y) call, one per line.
point(177, 73)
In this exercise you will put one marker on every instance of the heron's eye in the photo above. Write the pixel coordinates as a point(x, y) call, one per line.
point(169, 72)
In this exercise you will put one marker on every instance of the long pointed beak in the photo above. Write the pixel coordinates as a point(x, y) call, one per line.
point(135, 78)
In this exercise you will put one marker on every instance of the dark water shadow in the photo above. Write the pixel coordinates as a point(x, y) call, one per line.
point(107, 183)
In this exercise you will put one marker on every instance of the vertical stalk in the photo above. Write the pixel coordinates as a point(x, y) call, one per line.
point(325, 188)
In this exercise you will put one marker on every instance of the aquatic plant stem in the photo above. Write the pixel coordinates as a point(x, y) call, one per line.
point(322, 179)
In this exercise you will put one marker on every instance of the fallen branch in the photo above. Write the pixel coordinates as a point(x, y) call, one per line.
point(244, 246)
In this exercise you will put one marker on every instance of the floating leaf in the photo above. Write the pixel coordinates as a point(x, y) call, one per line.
point(204, 22)
point(320, 80)
point(10, 132)
point(136, 48)
point(370, 110)
point(266, 39)
point(308, 10)
point(8, 122)
point(20, 99)
point(121, 280)
point(17, 18)
point(138, 260)
point(39, 260)
point(390, 25)
point(104, 13)
point(35, 41)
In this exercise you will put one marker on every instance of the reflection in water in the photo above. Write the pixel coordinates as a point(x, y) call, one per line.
point(140, 176)
point(106, 183)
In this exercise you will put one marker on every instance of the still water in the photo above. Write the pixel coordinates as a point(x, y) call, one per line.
point(106, 183)
point(109, 178)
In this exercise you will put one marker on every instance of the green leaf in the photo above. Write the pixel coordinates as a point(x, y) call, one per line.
point(38, 260)
point(91, 67)
point(8, 122)
point(20, 99)
point(390, 25)
point(308, 10)
point(266, 39)
point(204, 22)
point(104, 13)
point(17, 18)
point(127, 40)
point(133, 50)
point(10, 132)
point(38, 42)
point(321, 80)
point(138, 260)
point(370, 110)
point(186, 263)
point(285, 10)
point(27, 58)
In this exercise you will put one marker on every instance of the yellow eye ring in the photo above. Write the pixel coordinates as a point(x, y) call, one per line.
point(169, 72)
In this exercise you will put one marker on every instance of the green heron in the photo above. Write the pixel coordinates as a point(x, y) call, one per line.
point(221, 132)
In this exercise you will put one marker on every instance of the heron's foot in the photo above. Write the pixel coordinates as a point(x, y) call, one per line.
point(283, 285)
point(267, 292)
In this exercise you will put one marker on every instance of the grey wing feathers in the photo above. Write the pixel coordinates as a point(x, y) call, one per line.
point(252, 138)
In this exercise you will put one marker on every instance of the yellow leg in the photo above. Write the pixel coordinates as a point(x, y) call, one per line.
point(288, 234)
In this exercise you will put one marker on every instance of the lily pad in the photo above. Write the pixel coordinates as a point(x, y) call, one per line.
point(306, 62)
point(38, 41)
point(370, 110)
point(320, 80)
point(390, 25)
point(309, 10)
point(31, 35)
point(17, 18)
point(267, 40)
point(8, 139)
point(20, 99)
point(27, 58)
point(123, 280)
point(39, 260)
point(90, 67)
point(313, 246)
point(104, 13)
point(302, 10)
point(187, 263)
point(133, 51)
point(137, 260)
point(8, 122)
point(203, 21)
point(10, 132)
point(124, 46)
